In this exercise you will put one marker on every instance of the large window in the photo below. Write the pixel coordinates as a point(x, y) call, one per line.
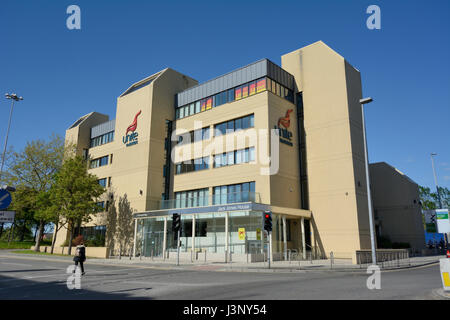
point(234, 157)
point(234, 125)
point(192, 165)
point(235, 193)
point(194, 136)
point(99, 162)
point(192, 198)
point(103, 139)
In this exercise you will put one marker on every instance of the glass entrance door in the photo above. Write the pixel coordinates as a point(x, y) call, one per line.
point(153, 243)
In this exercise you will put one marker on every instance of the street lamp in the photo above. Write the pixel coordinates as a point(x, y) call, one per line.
point(446, 235)
point(369, 197)
point(435, 179)
point(13, 98)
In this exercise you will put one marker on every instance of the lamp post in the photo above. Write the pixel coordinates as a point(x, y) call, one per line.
point(369, 196)
point(435, 179)
point(13, 98)
point(446, 235)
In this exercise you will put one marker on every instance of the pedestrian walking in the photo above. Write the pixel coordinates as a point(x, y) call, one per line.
point(80, 256)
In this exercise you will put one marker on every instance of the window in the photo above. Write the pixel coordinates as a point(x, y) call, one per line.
point(181, 113)
point(245, 91)
point(230, 158)
point(191, 108)
point(252, 88)
point(99, 162)
point(241, 192)
point(102, 182)
point(238, 93)
point(197, 107)
point(209, 103)
point(191, 198)
point(103, 139)
point(203, 105)
point(234, 125)
point(230, 95)
point(261, 85)
point(192, 165)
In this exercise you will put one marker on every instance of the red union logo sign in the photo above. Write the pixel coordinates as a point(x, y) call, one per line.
point(132, 139)
point(286, 120)
point(285, 134)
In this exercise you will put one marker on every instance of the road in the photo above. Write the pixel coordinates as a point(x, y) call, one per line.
point(22, 278)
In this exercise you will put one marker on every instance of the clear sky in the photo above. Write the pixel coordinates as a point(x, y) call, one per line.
point(63, 74)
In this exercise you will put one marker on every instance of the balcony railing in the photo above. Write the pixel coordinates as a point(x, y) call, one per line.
point(216, 199)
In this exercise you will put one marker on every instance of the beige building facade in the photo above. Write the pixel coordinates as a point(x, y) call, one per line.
point(286, 139)
point(397, 209)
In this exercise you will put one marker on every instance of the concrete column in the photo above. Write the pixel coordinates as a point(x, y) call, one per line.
point(226, 236)
point(313, 238)
point(302, 222)
point(284, 238)
point(135, 235)
point(165, 238)
point(193, 238)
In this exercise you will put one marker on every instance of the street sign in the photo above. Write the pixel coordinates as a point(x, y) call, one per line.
point(443, 223)
point(258, 233)
point(7, 216)
point(430, 221)
point(241, 233)
point(5, 199)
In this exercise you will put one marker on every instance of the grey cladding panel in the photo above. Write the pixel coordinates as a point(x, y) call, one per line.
point(235, 78)
point(103, 128)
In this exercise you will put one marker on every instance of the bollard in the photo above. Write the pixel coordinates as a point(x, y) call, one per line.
point(205, 255)
point(331, 259)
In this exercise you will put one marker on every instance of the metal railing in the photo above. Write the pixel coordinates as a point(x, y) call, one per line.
point(215, 199)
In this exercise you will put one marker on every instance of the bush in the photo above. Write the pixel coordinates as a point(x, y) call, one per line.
point(75, 241)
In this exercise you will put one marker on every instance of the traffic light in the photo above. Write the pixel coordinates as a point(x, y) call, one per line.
point(268, 221)
point(176, 222)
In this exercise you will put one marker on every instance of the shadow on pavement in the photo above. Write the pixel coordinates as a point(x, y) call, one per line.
point(22, 289)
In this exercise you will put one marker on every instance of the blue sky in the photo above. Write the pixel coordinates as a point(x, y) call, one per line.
point(64, 74)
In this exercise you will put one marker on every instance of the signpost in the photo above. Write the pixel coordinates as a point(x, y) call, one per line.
point(7, 216)
point(443, 223)
point(5, 199)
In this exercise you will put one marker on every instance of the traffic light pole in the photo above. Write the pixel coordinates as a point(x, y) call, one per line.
point(178, 248)
point(269, 250)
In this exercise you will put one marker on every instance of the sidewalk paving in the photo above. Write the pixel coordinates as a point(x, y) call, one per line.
point(277, 266)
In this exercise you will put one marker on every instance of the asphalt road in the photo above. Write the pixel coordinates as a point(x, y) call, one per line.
point(22, 278)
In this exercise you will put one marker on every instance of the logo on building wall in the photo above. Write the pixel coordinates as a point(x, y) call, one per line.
point(132, 138)
point(283, 126)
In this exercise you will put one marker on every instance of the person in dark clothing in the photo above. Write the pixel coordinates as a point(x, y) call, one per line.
point(80, 257)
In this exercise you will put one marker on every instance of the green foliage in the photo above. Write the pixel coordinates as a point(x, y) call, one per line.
point(16, 244)
point(430, 200)
point(74, 191)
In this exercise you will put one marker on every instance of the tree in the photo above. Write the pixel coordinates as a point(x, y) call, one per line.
point(430, 200)
point(74, 194)
point(125, 229)
point(34, 170)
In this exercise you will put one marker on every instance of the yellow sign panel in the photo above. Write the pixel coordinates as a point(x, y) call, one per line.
point(446, 278)
point(241, 233)
point(258, 234)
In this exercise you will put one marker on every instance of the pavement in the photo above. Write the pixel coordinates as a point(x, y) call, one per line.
point(337, 265)
point(25, 276)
